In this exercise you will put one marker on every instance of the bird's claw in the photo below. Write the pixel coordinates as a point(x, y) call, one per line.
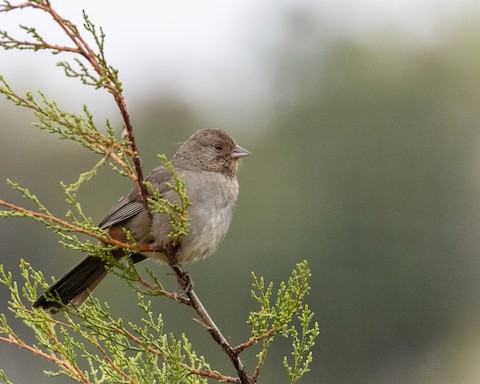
point(185, 284)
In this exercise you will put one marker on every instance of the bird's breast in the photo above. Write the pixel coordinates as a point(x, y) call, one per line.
point(210, 213)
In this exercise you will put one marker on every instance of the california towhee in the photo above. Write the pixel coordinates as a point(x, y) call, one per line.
point(208, 161)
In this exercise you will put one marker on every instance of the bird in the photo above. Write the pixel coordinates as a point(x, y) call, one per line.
point(208, 161)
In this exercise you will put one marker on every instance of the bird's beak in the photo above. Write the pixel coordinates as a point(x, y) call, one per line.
point(240, 152)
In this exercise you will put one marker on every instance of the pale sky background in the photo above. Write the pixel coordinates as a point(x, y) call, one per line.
point(215, 52)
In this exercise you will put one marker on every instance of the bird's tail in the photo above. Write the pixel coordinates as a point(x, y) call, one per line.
point(75, 285)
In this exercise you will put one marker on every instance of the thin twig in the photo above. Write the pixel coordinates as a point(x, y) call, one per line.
point(252, 341)
point(72, 369)
point(112, 363)
point(114, 88)
point(186, 284)
point(109, 79)
point(162, 292)
point(71, 227)
point(219, 338)
point(211, 375)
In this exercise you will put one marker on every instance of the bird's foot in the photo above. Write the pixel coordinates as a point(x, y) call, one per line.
point(185, 284)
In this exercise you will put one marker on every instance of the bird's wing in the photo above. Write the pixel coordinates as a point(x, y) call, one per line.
point(132, 204)
point(125, 209)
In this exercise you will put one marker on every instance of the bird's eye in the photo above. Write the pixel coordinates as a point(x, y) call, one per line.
point(218, 147)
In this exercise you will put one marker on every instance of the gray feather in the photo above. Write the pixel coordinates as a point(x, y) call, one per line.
point(125, 209)
point(132, 204)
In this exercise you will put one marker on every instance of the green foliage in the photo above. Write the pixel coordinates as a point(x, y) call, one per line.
point(277, 319)
point(4, 377)
point(67, 230)
point(117, 352)
point(302, 346)
point(177, 211)
point(89, 345)
point(82, 72)
point(78, 128)
point(113, 351)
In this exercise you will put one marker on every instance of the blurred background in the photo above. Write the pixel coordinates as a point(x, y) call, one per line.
point(363, 120)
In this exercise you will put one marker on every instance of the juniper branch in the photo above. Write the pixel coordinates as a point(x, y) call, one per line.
point(91, 68)
point(74, 370)
point(106, 76)
point(186, 285)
